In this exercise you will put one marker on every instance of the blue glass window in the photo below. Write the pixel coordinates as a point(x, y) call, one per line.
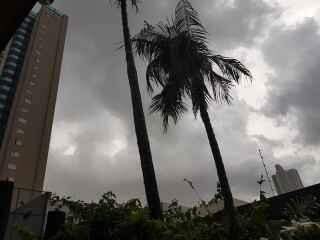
point(4, 87)
point(16, 50)
point(12, 64)
point(7, 79)
point(14, 56)
point(3, 96)
point(9, 71)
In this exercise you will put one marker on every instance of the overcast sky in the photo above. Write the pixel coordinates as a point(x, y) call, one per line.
point(93, 146)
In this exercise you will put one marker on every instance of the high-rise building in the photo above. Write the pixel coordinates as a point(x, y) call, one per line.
point(29, 77)
point(286, 180)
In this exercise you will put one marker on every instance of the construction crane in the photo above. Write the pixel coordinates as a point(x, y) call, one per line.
point(261, 192)
point(194, 189)
point(266, 171)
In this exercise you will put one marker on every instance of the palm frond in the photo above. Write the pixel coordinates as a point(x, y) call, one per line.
point(221, 87)
point(186, 17)
point(134, 3)
point(169, 102)
point(199, 94)
point(155, 75)
point(149, 40)
point(231, 68)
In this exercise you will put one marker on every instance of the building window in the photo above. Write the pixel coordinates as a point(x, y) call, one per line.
point(27, 19)
point(2, 105)
point(22, 120)
point(3, 96)
point(25, 25)
point(34, 75)
point(24, 110)
point(18, 43)
point(11, 179)
point(14, 56)
point(9, 71)
point(27, 100)
point(18, 142)
point(20, 36)
point(15, 154)
point(23, 31)
point(5, 88)
point(29, 91)
point(20, 131)
point(16, 50)
point(12, 166)
point(12, 64)
point(7, 79)
point(32, 83)
point(37, 60)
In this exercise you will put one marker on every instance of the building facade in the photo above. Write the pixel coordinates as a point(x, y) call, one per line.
point(286, 180)
point(29, 77)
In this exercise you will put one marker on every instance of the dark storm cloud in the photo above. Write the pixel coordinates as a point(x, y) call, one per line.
point(239, 23)
point(94, 99)
point(294, 91)
point(95, 68)
point(182, 153)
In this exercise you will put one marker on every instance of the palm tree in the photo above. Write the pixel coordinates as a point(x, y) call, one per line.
point(182, 65)
point(149, 176)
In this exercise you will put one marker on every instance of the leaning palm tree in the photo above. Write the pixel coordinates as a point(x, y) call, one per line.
point(182, 65)
point(149, 176)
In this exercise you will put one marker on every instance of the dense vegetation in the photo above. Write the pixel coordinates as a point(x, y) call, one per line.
point(109, 220)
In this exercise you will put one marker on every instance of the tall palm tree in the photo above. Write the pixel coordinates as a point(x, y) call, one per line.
point(149, 176)
point(182, 65)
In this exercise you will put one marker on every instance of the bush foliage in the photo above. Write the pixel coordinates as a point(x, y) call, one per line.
point(109, 220)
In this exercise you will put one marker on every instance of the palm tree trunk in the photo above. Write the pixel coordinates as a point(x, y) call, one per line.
point(13, 12)
point(149, 176)
point(223, 179)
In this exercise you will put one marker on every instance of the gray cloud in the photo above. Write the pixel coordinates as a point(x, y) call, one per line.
point(294, 91)
point(239, 23)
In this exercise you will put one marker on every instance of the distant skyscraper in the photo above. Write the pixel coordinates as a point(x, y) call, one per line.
point(286, 180)
point(29, 77)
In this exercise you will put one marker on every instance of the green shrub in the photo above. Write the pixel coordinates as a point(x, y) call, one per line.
point(109, 220)
point(302, 231)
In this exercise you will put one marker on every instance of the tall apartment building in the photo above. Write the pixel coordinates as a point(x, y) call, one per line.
point(286, 180)
point(29, 77)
